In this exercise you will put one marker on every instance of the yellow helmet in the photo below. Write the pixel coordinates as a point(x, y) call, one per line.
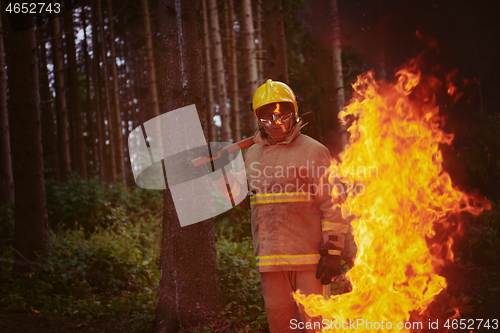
point(273, 92)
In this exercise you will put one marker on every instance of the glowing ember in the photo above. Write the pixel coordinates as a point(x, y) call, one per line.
point(398, 208)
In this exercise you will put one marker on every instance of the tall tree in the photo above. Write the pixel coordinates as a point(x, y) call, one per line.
point(63, 146)
point(276, 66)
point(189, 293)
point(153, 103)
point(208, 75)
point(91, 132)
point(220, 75)
point(116, 110)
point(260, 50)
point(104, 170)
point(130, 64)
point(31, 232)
point(320, 23)
point(80, 162)
point(106, 96)
point(49, 133)
point(250, 64)
point(232, 69)
point(6, 180)
point(338, 79)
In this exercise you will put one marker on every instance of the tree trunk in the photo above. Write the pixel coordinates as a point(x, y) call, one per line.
point(233, 70)
point(91, 137)
point(153, 104)
point(31, 231)
point(321, 27)
point(106, 96)
point(74, 91)
point(251, 65)
point(338, 79)
point(220, 76)
point(49, 133)
point(63, 146)
point(208, 75)
point(104, 170)
point(130, 62)
point(116, 111)
point(7, 182)
point(276, 61)
point(189, 294)
point(123, 52)
point(260, 49)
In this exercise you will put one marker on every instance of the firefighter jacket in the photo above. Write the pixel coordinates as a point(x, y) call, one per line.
point(293, 211)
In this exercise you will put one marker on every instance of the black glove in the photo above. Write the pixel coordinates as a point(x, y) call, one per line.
point(329, 266)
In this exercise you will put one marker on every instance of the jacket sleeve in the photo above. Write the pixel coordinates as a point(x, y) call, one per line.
point(328, 192)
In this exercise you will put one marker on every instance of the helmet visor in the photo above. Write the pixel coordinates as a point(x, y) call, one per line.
point(275, 113)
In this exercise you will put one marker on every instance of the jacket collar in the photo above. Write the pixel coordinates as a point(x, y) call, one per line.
point(259, 138)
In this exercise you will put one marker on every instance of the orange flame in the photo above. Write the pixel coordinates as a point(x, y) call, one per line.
point(277, 109)
point(398, 210)
point(279, 122)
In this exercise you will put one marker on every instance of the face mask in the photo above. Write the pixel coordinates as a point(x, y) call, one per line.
point(276, 119)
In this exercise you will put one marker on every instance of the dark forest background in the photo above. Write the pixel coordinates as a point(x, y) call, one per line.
point(82, 247)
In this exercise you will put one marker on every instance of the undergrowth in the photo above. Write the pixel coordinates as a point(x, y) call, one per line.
point(103, 264)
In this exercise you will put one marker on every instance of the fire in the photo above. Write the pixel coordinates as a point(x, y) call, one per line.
point(398, 210)
point(277, 112)
point(277, 109)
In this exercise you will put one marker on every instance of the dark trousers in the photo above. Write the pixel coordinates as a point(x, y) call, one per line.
point(284, 315)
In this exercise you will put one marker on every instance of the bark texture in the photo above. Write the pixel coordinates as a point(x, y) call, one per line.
point(232, 70)
point(91, 137)
point(31, 232)
point(153, 103)
point(321, 26)
point(106, 96)
point(63, 147)
point(101, 135)
point(189, 293)
point(250, 65)
point(115, 116)
point(49, 133)
point(338, 79)
point(220, 75)
point(208, 75)
point(80, 162)
point(260, 50)
point(276, 67)
point(6, 180)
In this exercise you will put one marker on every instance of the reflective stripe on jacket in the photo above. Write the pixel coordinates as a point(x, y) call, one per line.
point(293, 212)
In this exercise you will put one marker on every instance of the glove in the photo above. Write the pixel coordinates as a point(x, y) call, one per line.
point(329, 266)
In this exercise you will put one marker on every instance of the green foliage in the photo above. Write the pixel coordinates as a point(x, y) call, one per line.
point(88, 204)
point(6, 226)
point(233, 225)
point(104, 258)
point(103, 262)
point(240, 283)
point(111, 274)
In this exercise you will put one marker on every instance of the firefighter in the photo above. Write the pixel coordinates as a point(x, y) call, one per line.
point(298, 231)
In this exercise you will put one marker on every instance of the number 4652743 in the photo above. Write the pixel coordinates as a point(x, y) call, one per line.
point(33, 8)
point(471, 324)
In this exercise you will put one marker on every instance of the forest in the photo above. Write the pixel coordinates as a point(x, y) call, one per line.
point(84, 249)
